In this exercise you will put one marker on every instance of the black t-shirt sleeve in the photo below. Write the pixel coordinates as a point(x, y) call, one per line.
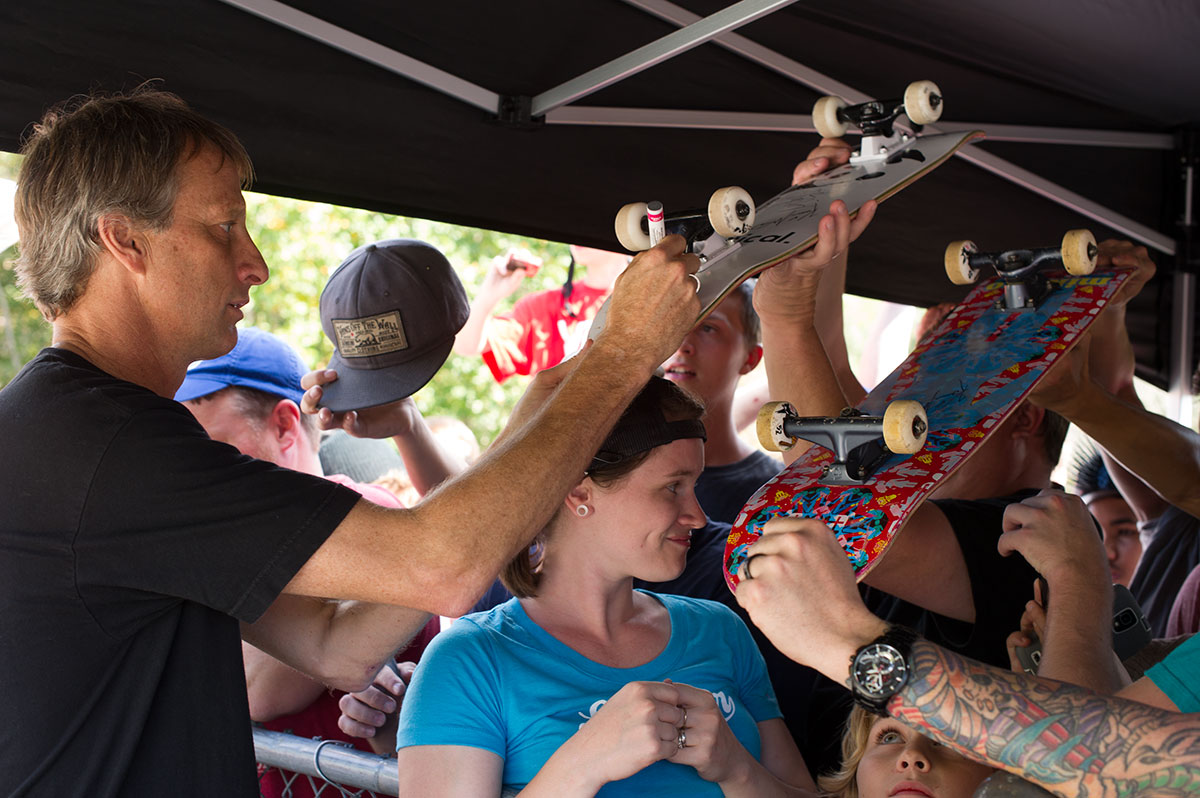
point(172, 514)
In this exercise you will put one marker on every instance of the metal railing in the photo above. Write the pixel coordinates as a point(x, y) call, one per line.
point(330, 769)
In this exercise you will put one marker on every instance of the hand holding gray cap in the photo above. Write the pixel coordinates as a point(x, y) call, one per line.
point(392, 310)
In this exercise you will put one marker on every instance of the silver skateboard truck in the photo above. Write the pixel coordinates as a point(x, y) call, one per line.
point(1022, 270)
point(922, 104)
point(860, 443)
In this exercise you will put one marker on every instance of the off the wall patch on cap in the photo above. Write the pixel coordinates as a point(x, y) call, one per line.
point(370, 335)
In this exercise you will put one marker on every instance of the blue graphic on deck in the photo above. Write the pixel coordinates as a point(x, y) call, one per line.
point(964, 359)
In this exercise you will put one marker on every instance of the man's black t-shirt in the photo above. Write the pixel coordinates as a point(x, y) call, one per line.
point(130, 547)
point(724, 490)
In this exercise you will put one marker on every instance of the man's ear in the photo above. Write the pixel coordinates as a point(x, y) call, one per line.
point(1027, 420)
point(753, 357)
point(285, 425)
point(122, 241)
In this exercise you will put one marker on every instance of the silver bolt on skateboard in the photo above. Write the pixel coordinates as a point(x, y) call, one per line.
point(1021, 269)
point(860, 443)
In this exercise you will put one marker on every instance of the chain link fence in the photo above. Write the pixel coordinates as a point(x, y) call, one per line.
point(299, 767)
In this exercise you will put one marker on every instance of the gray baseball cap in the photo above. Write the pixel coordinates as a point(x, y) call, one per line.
point(392, 310)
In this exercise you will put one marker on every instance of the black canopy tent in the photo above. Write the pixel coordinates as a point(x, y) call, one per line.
point(539, 118)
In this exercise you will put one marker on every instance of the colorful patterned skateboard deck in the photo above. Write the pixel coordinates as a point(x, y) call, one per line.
point(786, 224)
point(969, 375)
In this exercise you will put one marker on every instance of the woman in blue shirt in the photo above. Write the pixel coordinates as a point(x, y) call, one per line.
point(582, 685)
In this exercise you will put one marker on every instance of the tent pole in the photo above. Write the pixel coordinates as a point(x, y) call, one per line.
point(361, 47)
point(971, 153)
point(1183, 318)
point(680, 118)
point(1183, 300)
point(756, 53)
point(655, 52)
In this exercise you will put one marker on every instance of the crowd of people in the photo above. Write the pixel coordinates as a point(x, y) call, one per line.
point(201, 530)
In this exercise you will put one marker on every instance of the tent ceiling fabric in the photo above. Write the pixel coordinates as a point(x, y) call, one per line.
point(322, 124)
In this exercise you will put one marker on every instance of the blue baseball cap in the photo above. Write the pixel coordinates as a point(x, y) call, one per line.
point(259, 360)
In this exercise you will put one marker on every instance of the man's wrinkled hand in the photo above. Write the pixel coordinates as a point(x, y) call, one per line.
point(1056, 535)
point(1126, 255)
point(653, 304)
point(803, 594)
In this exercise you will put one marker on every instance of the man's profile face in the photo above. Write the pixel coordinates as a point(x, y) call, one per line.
point(200, 268)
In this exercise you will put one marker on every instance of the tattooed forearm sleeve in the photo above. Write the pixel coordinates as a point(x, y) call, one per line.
point(1064, 738)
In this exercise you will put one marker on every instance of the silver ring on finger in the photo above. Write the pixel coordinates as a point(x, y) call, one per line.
point(746, 576)
point(681, 740)
point(683, 723)
point(697, 279)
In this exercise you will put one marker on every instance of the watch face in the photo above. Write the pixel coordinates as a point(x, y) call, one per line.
point(879, 671)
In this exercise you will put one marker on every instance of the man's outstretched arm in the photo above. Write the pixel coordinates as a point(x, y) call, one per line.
point(1064, 738)
point(443, 553)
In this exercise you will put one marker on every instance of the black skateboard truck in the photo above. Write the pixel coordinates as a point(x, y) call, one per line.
point(730, 214)
point(860, 443)
point(922, 104)
point(1022, 270)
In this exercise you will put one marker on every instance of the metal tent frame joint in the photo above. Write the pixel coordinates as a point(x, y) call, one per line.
point(516, 111)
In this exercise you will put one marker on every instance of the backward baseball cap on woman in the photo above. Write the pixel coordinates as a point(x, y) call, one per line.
point(392, 310)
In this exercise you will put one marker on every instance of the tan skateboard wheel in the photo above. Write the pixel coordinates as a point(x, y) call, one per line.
point(1079, 252)
point(905, 426)
point(770, 427)
point(923, 102)
point(629, 227)
point(723, 211)
point(958, 267)
point(825, 117)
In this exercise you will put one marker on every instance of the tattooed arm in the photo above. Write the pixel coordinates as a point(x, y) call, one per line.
point(1064, 738)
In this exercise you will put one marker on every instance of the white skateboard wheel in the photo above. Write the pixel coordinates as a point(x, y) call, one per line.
point(770, 427)
point(905, 426)
point(958, 267)
point(825, 117)
point(1079, 252)
point(629, 227)
point(923, 102)
point(723, 211)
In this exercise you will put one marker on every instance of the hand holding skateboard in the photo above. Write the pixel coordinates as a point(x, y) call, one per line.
point(736, 239)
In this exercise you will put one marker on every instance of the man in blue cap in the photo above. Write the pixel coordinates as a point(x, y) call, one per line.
point(250, 400)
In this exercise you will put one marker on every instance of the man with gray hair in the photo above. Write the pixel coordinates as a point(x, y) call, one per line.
point(132, 545)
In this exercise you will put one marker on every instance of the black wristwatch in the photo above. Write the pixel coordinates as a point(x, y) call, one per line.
point(880, 669)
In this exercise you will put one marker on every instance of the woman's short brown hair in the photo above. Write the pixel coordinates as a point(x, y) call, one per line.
point(97, 155)
point(662, 407)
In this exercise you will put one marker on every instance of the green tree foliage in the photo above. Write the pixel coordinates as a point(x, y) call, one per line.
point(303, 242)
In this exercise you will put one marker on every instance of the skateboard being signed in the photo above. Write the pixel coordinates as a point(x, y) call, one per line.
point(968, 376)
point(736, 239)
